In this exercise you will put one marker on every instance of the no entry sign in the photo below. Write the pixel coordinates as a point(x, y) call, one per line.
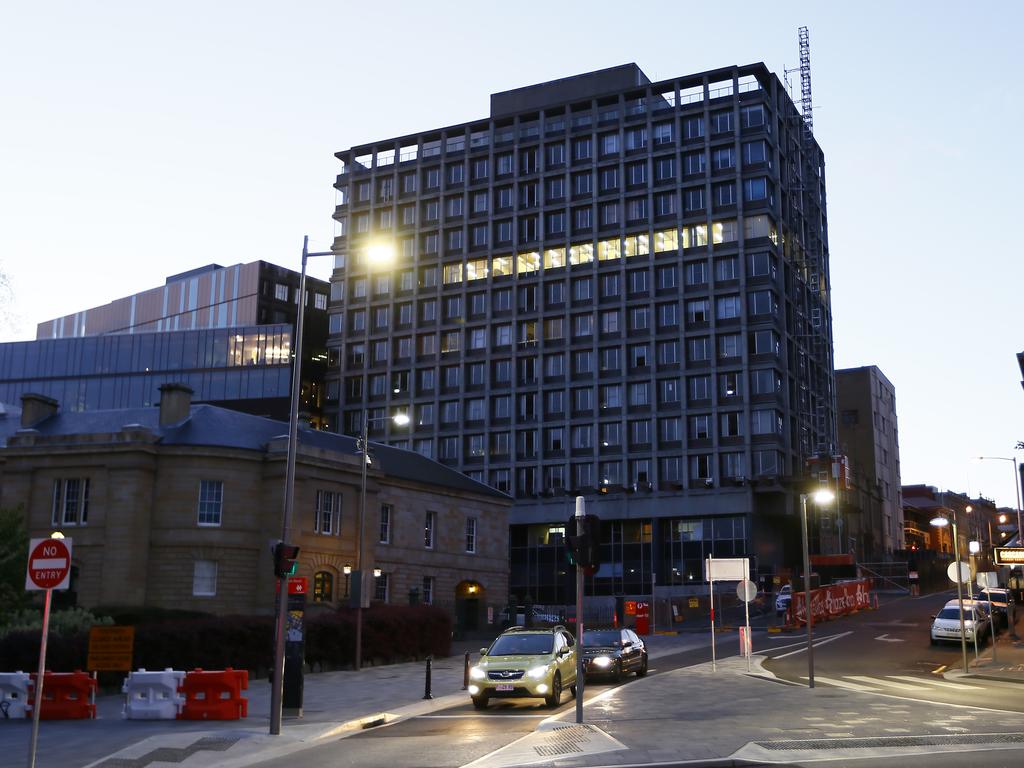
point(49, 564)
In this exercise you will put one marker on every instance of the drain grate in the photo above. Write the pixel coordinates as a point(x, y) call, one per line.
point(894, 741)
point(565, 740)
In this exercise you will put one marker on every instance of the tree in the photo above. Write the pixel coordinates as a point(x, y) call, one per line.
point(13, 563)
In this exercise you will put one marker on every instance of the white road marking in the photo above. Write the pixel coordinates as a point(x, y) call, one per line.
point(898, 686)
point(939, 683)
point(816, 644)
point(844, 684)
point(886, 639)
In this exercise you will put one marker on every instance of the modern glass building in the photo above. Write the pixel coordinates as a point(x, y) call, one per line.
point(608, 287)
point(226, 332)
point(228, 366)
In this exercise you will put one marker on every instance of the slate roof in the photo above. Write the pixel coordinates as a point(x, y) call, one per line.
point(209, 425)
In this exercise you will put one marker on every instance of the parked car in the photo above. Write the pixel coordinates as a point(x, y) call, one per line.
point(613, 652)
point(782, 599)
point(539, 615)
point(946, 623)
point(1001, 600)
point(525, 663)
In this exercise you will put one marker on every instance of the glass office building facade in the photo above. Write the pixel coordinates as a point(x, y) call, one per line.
point(222, 365)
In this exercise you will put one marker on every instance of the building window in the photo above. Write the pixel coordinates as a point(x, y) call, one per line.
point(323, 587)
point(70, 504)
point(471, 534)
point(428, 590)
point(328, 512)
point(429, 524)
point(204, 578)
point(384, 536)
point(211, 501)
point(380, 591)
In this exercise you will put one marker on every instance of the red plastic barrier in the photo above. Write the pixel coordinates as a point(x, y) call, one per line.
point(832, 601)
point(66, 696)
point(214, 695)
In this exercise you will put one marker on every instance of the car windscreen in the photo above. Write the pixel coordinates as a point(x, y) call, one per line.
point(602, 638)
point(954, 613)
point(521, 645)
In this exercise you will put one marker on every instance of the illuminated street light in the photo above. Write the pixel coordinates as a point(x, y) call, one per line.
point(942, 522)
point(821, 497)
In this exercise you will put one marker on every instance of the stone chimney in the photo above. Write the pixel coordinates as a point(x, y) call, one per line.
point(35, 408)
point(175, 404)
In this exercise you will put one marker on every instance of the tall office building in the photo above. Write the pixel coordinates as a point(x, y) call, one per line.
point(607, 287)
point(869, 435)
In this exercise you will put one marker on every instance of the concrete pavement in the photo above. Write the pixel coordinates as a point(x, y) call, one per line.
point(692, 713)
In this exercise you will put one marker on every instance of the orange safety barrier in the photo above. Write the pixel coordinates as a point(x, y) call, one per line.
point(66, 696)
point(214, 695)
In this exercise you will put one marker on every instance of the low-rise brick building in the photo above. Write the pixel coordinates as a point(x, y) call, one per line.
point(177, 506)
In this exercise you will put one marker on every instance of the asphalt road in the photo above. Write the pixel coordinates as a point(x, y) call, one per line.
point(888, 651)
point(456, 736)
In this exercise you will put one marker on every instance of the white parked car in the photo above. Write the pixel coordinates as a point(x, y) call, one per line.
point(946, 624)
point(782, 599)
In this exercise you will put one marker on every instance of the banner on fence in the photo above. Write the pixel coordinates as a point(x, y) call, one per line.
point(833, 600)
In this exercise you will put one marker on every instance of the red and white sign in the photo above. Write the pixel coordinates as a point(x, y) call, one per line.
point(49, 564)
point(297, 585)
point(834, 600)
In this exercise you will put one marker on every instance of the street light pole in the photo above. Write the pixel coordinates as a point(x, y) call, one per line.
point(1016, 487)
point(941, 522)
point(277, 676)
point(823, 496)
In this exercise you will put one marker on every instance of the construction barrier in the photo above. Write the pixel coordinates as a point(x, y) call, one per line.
point(67, 696)
point(213, 695)
point(14, 701)
point(153, 695)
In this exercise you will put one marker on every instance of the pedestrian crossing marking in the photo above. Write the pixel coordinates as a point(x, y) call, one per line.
point(939, 683)
point(876, 681)
point(845, 684)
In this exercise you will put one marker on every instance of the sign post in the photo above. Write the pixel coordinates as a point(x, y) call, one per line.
point(581, 513)
point(746, 591)
point(722, 569)
point(49, 568)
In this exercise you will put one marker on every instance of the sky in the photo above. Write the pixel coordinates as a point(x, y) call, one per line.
point(140, 139)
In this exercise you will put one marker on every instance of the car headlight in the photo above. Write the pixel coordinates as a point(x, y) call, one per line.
point(477, 673)
point(537, 672)
point(602, 661)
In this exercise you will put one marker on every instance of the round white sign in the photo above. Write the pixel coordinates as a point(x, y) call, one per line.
point(746, 591)
point(965, 572)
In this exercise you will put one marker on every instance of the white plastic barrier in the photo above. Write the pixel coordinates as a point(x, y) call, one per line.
point(152, 695)
point(14, 701)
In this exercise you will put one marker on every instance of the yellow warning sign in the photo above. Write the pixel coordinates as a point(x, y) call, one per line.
point(110, 649)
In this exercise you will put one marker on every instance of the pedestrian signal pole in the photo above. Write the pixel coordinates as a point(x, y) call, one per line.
point(580, 515)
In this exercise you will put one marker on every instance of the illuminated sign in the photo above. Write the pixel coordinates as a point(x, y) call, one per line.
point(1009, 555)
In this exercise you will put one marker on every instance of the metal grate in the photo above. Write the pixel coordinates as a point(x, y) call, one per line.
point(566, 740)
point(894, 741)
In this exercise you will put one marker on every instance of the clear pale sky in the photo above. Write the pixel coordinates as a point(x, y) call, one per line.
point(140, 139)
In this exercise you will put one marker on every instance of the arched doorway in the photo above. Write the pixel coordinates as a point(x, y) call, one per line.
point(470, 599)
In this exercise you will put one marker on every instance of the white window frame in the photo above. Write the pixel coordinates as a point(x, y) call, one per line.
point(429, 530)
point(204, 584)
point(327, 513)
point(203, 500)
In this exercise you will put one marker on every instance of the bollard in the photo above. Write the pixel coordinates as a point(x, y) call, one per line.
point(426, 682)
point(465, 672)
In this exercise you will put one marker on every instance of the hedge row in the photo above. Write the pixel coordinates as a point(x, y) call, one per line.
point(390, 634)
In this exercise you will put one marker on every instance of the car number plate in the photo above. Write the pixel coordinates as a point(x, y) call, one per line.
point(504, 687)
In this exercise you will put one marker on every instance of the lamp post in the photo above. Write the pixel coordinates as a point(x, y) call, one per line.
point(1016, 487)
point(821, 497)
point(401, 419)
point(942, 522)
point(277, 680)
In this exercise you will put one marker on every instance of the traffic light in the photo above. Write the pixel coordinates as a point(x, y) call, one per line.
point(584, 549)
point(286, 558)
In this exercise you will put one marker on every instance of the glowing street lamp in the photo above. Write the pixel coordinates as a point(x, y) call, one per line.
point(821, 497)
point(942, 522)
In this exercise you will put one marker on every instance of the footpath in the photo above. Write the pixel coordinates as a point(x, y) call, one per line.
point(725, 715)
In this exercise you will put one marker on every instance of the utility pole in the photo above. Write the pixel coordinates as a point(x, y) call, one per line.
point(580, 514)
